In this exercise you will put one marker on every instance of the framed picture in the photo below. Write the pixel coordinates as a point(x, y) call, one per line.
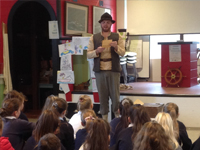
point(97, 12)
point(76, 19)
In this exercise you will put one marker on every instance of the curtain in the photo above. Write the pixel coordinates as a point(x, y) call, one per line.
point(6, 61)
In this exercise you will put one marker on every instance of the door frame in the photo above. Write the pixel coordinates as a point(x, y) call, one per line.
point(54, 42)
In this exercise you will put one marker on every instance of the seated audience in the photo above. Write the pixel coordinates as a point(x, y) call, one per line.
point(179, 128)
point(166, 121)
point(66, 134)
point(49, 142)
point(48, 122)
point(21, 97)
point(17, 130)
point(98, 137)
point(87, 116)
point(138, 116)
point(84, 102)
point(152, 136)
point(118, 124)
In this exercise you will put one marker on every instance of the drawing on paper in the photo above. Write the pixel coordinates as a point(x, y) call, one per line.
point(65, 77)
point(65, 63)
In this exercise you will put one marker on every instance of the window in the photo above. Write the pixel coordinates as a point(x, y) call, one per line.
point(155, 49)
point(192, 38)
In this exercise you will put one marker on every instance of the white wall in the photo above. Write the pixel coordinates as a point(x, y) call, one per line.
point(155, 70)
point(120, 14)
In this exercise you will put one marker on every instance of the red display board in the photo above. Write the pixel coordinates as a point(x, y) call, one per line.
point(183, 71)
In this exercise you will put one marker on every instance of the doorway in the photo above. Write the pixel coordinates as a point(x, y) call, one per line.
point(31, 51)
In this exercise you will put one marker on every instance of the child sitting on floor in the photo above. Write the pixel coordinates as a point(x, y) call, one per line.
point(179, 127)
point(66, 134)
point(4, 141)
point(87, 116)
point(98, 137)
point(48, 122)
point(21, 97)
point(165, 120)
point(152, 136)
point(49, 142)
point(17, 130)
point(84, 102)
point(118, 124)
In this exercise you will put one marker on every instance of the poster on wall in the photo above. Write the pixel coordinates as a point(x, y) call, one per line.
point(76, 19)
point(136, 46)
point(65, 77)
point(53, 30)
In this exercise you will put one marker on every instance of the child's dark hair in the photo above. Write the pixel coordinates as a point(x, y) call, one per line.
point(98, 135)
point(152, 136)
point(138, 116)
point(49, 142)
point(49, 101)
point(59, 105)
point(124, 106)
point(84, 102)
point(87, 114)
point(48, 122)
point(9, 106)
point(173, 110)
point(15, 94)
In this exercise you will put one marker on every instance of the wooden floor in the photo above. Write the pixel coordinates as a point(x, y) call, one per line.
point(155, 89)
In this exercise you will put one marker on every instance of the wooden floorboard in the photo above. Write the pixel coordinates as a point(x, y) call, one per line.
point(155, 89)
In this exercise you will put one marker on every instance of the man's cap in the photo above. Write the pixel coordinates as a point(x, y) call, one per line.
point(106, 16)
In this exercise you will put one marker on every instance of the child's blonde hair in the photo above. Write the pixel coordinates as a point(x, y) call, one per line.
point(48, 103)
point(166, 121)
point(173, 110)
point(84, 102)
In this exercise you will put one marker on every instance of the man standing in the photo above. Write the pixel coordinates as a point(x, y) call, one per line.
point(105, 48)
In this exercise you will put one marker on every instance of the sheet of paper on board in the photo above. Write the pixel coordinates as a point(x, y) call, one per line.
point(106, 43)
point(64, 87)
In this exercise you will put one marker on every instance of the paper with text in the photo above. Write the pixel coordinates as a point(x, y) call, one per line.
point(174, 53)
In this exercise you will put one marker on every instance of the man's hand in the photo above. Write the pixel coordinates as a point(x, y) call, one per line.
point(99, 50)
point(114, 44)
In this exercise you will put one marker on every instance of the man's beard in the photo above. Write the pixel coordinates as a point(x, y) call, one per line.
point(105, 30)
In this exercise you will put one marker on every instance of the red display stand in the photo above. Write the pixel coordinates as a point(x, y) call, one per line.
point(182, 73)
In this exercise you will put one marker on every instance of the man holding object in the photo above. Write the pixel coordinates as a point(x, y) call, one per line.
point(105, 48)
